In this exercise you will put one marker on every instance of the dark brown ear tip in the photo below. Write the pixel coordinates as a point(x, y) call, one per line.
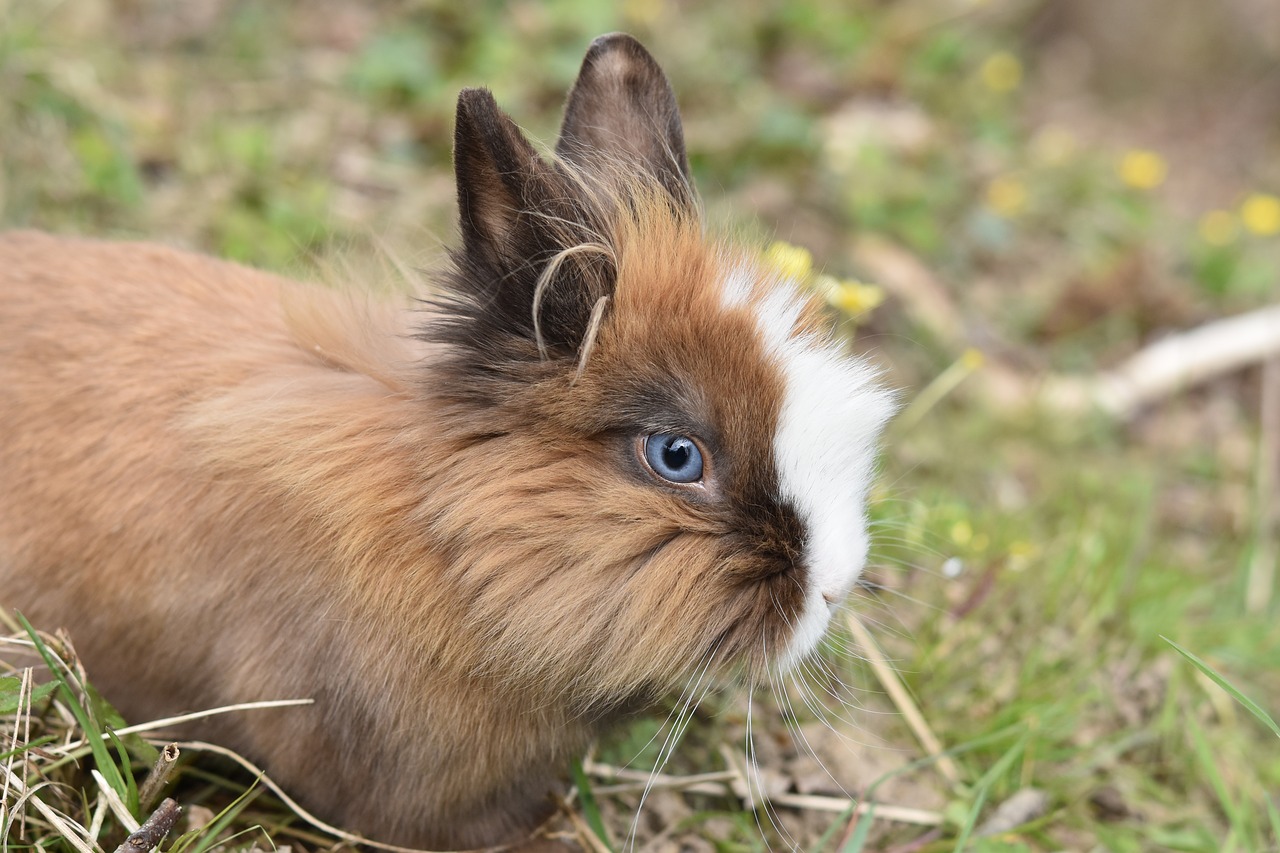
point(615, 42)
point(612, 41)
point(479, 116)
point(475, 100)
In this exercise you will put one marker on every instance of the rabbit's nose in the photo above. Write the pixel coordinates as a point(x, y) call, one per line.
point(831, 599)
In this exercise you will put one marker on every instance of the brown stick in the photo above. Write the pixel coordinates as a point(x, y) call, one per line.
point(1173, 364)
point(893, 685)
point(721, 783)
point(1152, 374)
point(153, 830)
point(159, 776)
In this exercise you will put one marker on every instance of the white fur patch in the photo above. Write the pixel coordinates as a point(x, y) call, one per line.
point(832, 414)
point(737, 288)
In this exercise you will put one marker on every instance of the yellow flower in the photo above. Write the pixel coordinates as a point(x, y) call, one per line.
point(1261, 214)
point(972, 359)
point(851, 297)
point(1143, 169)
point(1023, 548)
point(795, 262)
point(1218, 227)
point(1021, 554)
point(791, 261)
point(1001, 72)
point(961, 533)
point(1007, 195)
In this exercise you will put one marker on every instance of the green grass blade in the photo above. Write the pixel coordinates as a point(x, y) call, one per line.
point(92, 731)
point(210, 837)
point(200, 840)
point(40, 741)
point(590, 809)
point(983, 788)
point(11, 693)
point(859, 838)
point(1251, 706)
point(126, 767)
point(1209, 767)
point(842, 819)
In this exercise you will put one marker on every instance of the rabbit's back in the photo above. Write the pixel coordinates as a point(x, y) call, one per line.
point(179, 440)
point(214, 479)
point(107, 506)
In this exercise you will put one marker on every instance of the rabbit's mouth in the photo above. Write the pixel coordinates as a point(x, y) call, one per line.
point(807, 632)
point(826, 589)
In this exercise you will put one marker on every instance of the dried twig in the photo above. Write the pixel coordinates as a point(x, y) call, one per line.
point(908, 278)
point(292, 805)
point(167, 722)
point(929, 303)
point(584, 832)
point(740, 785)
point(906, 705)
point(1173, 364)
point(638, 780)
point(160, 773)
point(718, 784)
point(118, 808)
point(64, 826)
point(1024, 806)
point(839, 805)
point(1166, 367)
point(1261, 579)
point(153, 830)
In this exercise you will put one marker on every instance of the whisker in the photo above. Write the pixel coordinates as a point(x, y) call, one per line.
point(753, 765)
point(683, 716)
point(841, 701)
point(798, 737)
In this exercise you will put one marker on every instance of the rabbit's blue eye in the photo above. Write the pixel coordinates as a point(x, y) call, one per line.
point(673, 457)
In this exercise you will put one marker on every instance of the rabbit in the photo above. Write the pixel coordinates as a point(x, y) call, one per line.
point(607, 451)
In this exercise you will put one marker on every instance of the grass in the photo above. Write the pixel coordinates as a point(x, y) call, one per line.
point(1213, 675)
point(1029, 566)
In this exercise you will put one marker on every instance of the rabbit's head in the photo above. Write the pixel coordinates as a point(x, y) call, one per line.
point(659, 451)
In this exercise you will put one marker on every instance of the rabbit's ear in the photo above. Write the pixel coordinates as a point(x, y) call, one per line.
point(501, 179)
point(622, 112)
point(517, 213)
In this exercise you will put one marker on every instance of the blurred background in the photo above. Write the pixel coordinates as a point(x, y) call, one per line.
point(998, 196)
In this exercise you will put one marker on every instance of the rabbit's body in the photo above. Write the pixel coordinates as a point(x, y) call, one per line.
point(469, 532)
point(207, 502)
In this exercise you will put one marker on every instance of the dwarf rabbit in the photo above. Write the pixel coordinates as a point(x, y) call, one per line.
point(605, 452)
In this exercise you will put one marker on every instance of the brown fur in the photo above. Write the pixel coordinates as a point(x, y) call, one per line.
point(230, 487)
